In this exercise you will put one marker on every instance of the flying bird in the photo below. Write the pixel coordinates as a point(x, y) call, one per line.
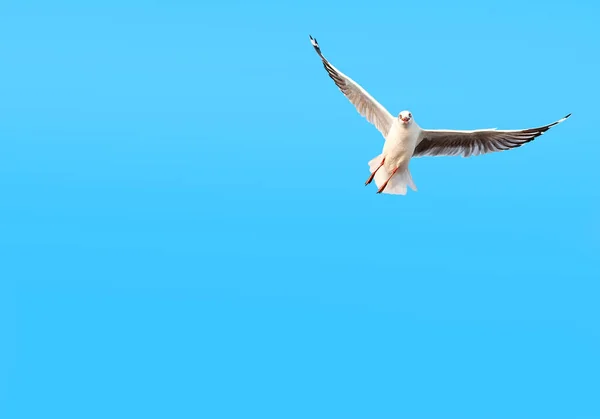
point(404, 139)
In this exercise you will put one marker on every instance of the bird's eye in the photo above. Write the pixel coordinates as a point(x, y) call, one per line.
point(410, 115)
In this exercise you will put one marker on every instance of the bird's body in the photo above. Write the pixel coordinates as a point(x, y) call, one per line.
point(404, 139)
point(400, 144)
point(398, 149)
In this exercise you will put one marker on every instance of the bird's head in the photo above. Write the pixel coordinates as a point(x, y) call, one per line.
point(405, 117)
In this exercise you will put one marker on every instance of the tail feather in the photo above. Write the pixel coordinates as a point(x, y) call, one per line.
point(398, 183)
point(374, 163)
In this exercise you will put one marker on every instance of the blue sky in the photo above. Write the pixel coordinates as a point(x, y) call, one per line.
point(184, 230)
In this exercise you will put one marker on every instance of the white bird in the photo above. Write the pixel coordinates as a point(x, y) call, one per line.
point(404, 139)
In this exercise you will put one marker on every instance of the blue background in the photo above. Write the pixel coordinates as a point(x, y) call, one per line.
point(184, 230)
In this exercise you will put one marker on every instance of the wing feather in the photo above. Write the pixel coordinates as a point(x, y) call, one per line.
point(364, 103)
point(476, 142)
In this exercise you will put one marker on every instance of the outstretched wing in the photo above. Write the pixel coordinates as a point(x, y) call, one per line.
point(365, 104)
point(473, 143)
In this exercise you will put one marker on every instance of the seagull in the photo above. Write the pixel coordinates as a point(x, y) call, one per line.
point(404, 139)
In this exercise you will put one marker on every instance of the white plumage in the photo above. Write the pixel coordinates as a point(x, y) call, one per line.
point(404, 139)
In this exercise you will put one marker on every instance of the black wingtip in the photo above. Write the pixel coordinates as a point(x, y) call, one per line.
point(315, 45)
point(563, 119)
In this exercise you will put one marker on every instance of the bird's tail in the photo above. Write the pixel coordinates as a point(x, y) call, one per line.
point(397, 184)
